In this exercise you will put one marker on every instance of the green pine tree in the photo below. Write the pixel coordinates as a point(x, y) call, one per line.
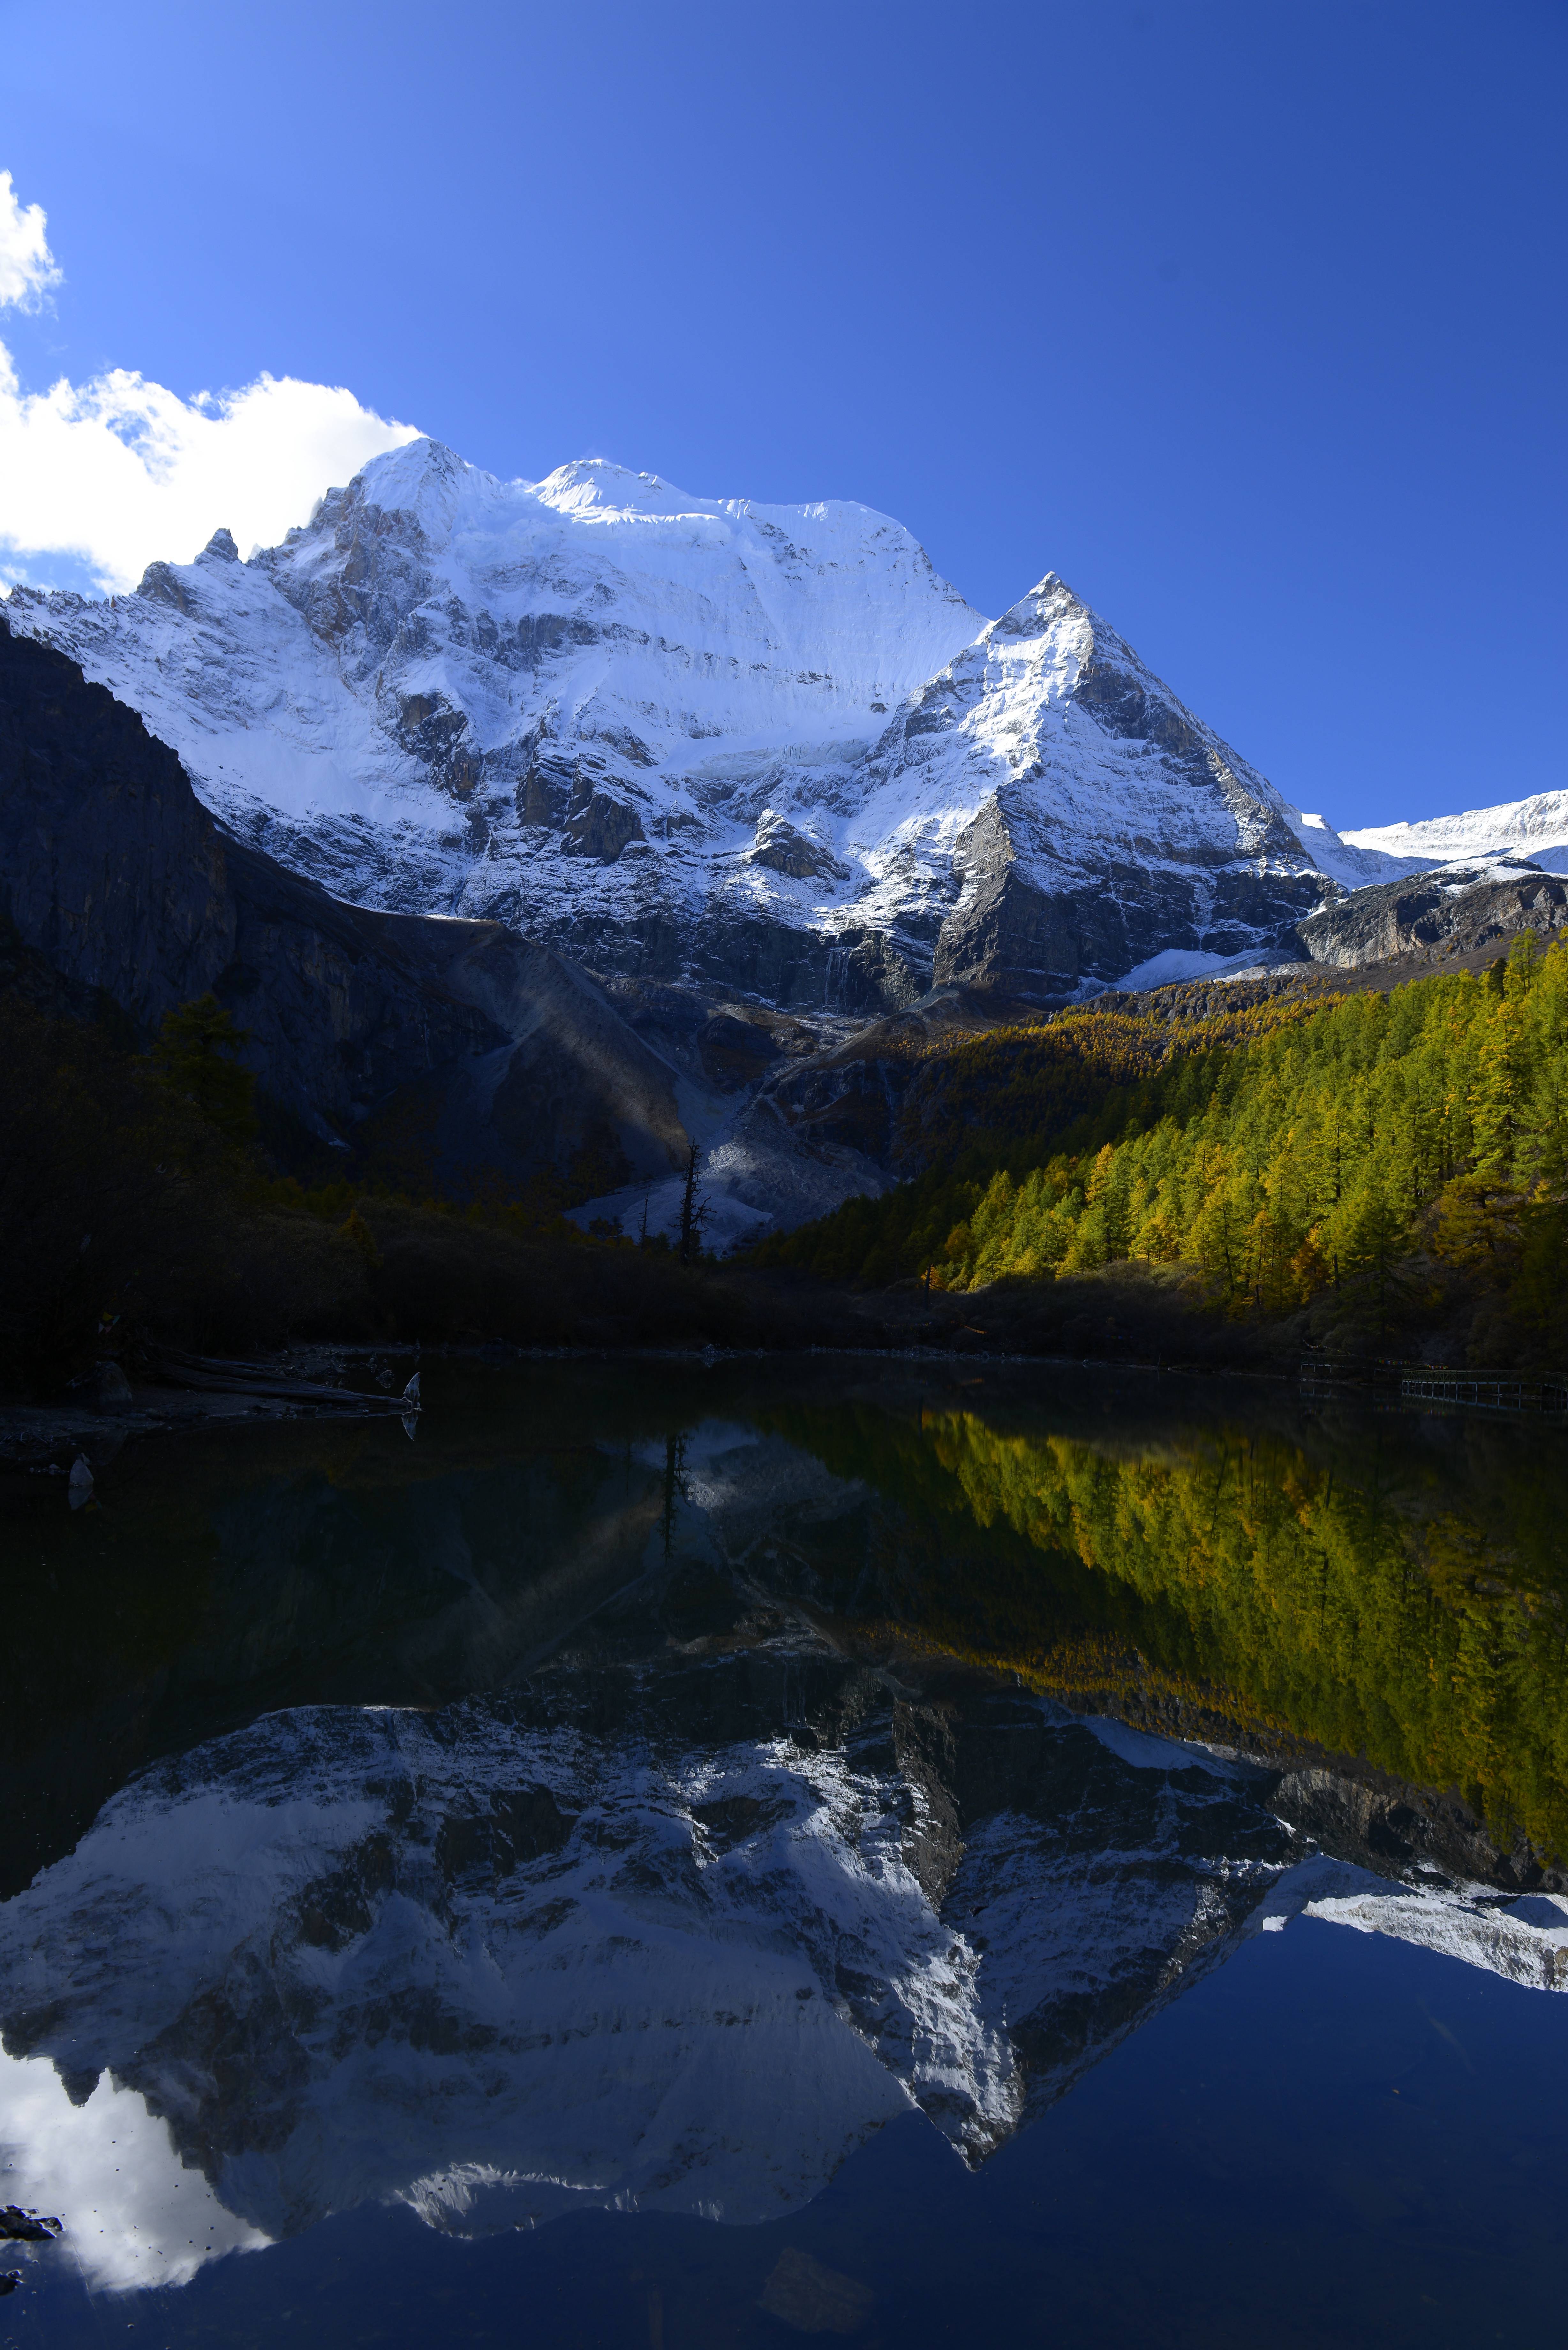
point(197, 1057)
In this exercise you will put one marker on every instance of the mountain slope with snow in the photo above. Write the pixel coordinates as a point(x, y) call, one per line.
point(574, 704)
point(1093, 821)
point(1535, 828)
point(761, 747)
point(764, 745)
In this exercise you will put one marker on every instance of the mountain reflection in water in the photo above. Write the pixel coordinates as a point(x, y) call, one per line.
point(653, 1782)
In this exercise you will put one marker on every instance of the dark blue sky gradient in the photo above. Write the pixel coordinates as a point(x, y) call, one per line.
point(1248, 319)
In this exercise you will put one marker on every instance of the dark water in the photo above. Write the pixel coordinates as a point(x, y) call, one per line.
point(684, 1856)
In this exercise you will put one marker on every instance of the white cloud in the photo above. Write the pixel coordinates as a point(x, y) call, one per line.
point(98, 480)
point(119, 472)
point(28, 269)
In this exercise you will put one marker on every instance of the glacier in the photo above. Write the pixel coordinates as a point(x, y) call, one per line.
point(1534, 828)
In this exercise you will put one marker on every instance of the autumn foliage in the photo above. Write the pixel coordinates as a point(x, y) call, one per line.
point(1354, 1147)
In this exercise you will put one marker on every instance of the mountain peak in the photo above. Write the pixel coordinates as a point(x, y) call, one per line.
point(1047, 606)
point(598, 485)
point(423, 478)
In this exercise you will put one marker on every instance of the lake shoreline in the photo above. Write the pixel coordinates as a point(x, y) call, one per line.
point(43, 1439)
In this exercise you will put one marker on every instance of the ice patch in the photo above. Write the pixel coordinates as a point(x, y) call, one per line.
point(1147, 1753)
point(1526, 1942)
point(1453, 880)
point(1176, 964)
point(654, 1209)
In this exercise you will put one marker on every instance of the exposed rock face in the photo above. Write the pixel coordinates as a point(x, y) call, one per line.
point(600, 825)
point(1453, 910)
point(501, 1053)
point(786, 849)
point(759, 748)
point(105, 843)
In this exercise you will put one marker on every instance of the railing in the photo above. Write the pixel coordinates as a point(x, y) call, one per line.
point(1387, 1381)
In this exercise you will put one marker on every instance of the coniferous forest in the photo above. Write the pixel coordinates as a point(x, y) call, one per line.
point(1373, 1161)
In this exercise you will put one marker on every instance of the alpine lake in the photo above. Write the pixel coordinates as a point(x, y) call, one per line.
point(675, 1854)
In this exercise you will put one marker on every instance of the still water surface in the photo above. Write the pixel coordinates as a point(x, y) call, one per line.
point(685, 1857)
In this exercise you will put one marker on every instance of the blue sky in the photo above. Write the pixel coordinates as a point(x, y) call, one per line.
point(1248, 320)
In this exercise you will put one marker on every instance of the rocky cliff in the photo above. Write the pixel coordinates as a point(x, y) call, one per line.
point(1110, 824)
point(1453, 910)
point(462, 1045)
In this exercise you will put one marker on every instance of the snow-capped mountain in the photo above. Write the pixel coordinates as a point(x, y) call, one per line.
point(765, 746)
point(1093, 822)
point(761, 746)
point(590, 706)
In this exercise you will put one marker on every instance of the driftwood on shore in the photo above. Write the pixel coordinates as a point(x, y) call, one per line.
point(212, 1375)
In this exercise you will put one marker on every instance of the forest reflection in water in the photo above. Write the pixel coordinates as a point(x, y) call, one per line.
point(1383, 1585)
point(357, 1785)
point(1378, 1587)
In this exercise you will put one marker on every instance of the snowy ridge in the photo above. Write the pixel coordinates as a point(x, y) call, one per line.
point(1535, 828)
point(1348, 859)
point(1051, 702)
point(1048, 755)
